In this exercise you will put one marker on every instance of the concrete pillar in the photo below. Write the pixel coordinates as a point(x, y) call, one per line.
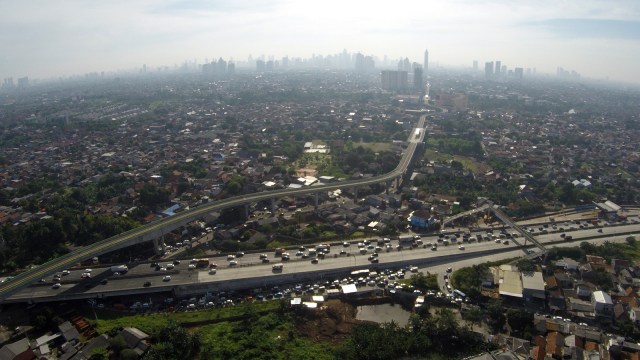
point(273, 205)
point(397, 182)
point(246, 211)
point(156, 246)
point(355, 194)
point(315, 200)
point(387, 185)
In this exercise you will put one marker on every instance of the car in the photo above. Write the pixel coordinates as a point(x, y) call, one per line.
point(285, 257)
point(416, 237)
point(233, 263)
point(506, 242)
point(239, 254)
point(230, 257)
point(56, 286)
point(299, 253)
point(263, 256)
point(66, 272)
point(374, 260)
point(346, 244)
point(176, 262)
point(191, 267)
point(265, 260)
point(88, 270)
point(85, 275)
point(314, 261)
point(461, 247)
point(434, 248)
point(449, 269)
point(154, 264)
point(212, 271)
point(147, 283)
point(600, 230)
point(166, 278)
point(342, 252)
point(104, 281)
point(170, 266)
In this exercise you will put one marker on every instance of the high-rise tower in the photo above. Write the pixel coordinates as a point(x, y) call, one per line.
point(425, 66)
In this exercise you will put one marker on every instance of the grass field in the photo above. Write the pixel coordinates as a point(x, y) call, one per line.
point(375, 147)
point(108, 320)
point(469, 163)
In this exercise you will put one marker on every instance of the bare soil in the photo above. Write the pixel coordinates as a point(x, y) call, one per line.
point(332, 322)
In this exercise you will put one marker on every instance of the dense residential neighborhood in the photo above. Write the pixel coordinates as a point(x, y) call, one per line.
point(88, 159)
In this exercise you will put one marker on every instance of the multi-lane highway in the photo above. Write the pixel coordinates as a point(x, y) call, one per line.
point(158, 228)
point(250, 272)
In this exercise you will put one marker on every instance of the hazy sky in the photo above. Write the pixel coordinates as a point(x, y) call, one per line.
point(43, 38)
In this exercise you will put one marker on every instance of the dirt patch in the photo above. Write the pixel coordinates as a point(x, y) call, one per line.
point(333, 322)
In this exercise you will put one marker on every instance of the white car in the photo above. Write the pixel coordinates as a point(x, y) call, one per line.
point(191, 267)
point(86, 275)
point(66, 272)
point(170, 266)
point(166, 278)
point(461, 247)
point(56, 286)
point(230, 257)
point(212, 271)
point(233, 263)
point(87, 270)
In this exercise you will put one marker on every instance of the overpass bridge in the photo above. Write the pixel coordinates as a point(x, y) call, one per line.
point(159, 228)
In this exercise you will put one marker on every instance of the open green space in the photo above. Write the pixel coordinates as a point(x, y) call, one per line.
point(469, 163)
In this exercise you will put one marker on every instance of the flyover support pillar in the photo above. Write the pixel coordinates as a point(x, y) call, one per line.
point(273, 205)
point(315, 200)
point(397, 182)
point(355, 194)
point(158, 246)
point(387, 185)
point(246, 211)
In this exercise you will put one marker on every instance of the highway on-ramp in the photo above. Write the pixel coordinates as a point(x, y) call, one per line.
point(165, 225)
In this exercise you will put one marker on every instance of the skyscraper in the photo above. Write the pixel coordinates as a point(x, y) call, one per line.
point(417, 78)
point(425, 66)
point(488, 69)
point(498, 68)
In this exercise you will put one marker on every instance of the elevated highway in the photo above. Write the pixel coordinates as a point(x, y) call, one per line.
point(161, 227)
point(251, 273)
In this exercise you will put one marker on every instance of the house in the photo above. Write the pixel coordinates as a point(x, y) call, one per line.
point(533, 286)
point(18, 350)
point(602, 304)
point(422, 219)
point(567, 264)
point(135, 339)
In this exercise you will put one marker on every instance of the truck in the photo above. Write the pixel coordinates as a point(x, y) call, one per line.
point(119, 268)
point(279, 251)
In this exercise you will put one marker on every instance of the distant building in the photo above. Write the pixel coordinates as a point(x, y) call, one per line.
point(518, 72)
point(394, 80)
point(425, 66)
point(417, 79)
point(498, 68)
point(488, 69)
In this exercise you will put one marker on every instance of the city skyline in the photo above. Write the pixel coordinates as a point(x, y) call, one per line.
point(42, 40)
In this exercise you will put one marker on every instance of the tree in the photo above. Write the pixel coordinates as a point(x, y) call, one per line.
point(474, 315)
point(519, 320)
point(496, 314)
point(526, 265)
